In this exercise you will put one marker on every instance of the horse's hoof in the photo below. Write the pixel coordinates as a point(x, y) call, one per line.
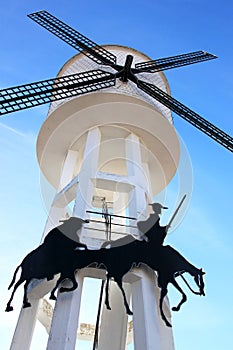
point(108, 307)
point(62, 290)
point(174, 308)
point(25, 305)
point(168, 324)
point(9, 308)
point(129, 312)
point(53, 297)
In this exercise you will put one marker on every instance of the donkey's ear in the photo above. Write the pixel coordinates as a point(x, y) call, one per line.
point(202, 272)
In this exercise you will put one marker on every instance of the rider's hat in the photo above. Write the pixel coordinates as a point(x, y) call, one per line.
point(157, 206)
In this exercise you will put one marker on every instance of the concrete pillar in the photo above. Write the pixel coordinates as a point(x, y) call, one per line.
point(166, 334)
point(69, 165)
point(53, 220)
point(137, 197)
point(56, 213)
point(64, 327)
point(145, 311)
point(113, 329)
point(148, 182)
point(119, 205)
point(25, 327)
point(88, 171)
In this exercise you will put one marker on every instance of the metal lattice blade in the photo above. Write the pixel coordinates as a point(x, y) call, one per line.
point(38, 93)
point(184, 112)
point(174, 61)
point(73, 38)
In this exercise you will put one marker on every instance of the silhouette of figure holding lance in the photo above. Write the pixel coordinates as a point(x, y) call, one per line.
point(152, 231)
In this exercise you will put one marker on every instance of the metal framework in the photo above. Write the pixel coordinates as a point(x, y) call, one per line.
point(30, 95)
point(73, 38)
point(187, 114)
point(174, 61)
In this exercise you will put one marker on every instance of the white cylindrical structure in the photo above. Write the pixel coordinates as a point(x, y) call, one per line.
point(117, 147)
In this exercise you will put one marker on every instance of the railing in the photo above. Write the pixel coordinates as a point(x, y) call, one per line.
point(108, 221)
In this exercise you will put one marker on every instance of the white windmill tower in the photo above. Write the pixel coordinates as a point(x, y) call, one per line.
point(114, 147)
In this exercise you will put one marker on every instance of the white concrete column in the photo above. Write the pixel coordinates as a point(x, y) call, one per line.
point(56, 213)
point(119, 208)
point(137, 197)
point(119, 204)
point(113, 329)
point(148, 182)
point(88, 171)
point(69, 165)
point(25, 327)
point(145, 311)
point(64, 327)
point(166, 334)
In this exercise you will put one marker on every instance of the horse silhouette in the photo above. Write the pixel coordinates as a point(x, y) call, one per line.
point(117, 261)
point(47, 260)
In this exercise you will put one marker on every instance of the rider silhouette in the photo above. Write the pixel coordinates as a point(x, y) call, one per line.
point(151, 230)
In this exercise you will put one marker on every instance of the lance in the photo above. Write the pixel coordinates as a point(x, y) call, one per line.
point(175, 213)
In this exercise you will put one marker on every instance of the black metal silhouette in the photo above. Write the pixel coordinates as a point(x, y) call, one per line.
point(47, 260)
point(164, 259)
point(29, 95)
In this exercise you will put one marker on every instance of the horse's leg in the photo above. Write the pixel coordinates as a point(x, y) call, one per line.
point(25, 298)
point(52, 295)
point(119, 282)
point(107, 293)
point(8, 306)
point(202, 284)
point(198, 278)
point(74, 286)
point(184, 298)
point(162, 296)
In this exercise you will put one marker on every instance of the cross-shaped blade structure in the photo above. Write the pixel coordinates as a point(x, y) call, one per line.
point(174, 61)
point(73, 38)
point(38, 93)
point(187, 114)
point(30, 95)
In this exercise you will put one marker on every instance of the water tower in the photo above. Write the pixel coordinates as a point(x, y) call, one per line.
point(107, 146)
point(109, 150)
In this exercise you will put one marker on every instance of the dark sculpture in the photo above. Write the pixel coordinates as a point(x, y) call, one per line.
point(66, 259)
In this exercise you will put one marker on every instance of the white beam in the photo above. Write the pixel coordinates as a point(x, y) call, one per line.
point(64, 327)
point(25, 327)
point(145, 312)
point(113, 330)
point(88, 171)
point(68, 168)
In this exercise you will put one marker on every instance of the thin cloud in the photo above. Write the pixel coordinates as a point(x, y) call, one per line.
point(15, 131)
point(28, 136)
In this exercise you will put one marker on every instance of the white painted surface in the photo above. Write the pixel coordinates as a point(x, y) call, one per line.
point(68, 168)
point(80, 63)
point(113, 330)
point(67, 126)
point(64, 327)
point(25, 327)
point(88, 171)
point(145, 312)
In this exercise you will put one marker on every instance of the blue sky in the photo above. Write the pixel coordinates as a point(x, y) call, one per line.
point(159, 29)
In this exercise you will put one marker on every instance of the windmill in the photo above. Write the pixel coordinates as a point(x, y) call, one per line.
point(84, 83)
point(37, 93)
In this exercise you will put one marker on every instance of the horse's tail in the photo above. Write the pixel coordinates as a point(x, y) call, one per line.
point(14, 277)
